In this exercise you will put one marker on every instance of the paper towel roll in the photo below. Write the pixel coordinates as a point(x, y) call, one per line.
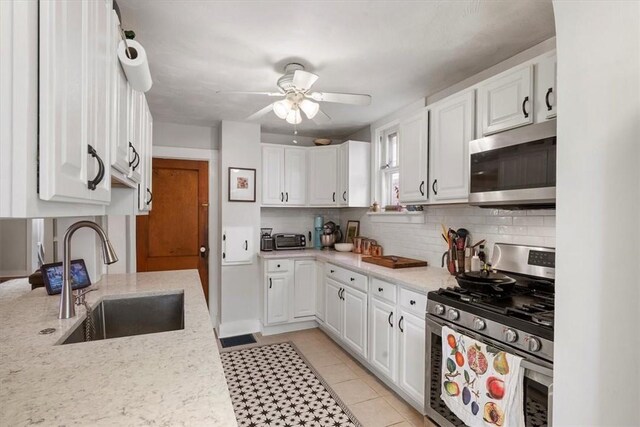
point(136, 68)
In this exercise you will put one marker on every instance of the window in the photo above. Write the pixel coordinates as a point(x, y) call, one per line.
point(390, 168)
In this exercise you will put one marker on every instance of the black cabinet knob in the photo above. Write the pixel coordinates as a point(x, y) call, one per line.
point(380, 289)
point(412, 302)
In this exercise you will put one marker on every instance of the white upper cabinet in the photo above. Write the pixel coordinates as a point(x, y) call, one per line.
point(74, 97)
point(452, 125)
point(414, 157)
point(295, 176)
point(506, 101)
point(323, 176)
point(145, 188)
point(119, 107)
point(272, 175)
point(354, 165)
point(546, 93)
point(284, 176)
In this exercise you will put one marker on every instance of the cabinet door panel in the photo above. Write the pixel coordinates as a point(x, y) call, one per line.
point(343, 175)
point(320, 290)
point(304, 289)
point(119, 107)
point(63, 88)
point(323, 176)
point(333, 306)
point(277, 298)
point(383, 338)
point(295, 176)
point(546, 89)
point(411, 355)
point(452, 130)
point(355, 320)
point(413, 158)
point(507, 101)
point(134, 100)
point(272, 175)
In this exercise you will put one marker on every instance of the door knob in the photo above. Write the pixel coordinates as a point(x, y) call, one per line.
point(203, 251)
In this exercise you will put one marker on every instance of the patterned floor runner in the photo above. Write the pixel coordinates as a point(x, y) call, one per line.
point(273, 385)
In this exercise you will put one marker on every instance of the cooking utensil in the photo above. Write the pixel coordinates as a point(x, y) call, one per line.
point(478, 243)
point(327, 240)
point(343, 247)
point(484, 281)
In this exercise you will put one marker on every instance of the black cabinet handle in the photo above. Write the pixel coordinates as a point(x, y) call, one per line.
point(282, 197)
point(287, 197)
point(246, 245)
point(380, 289)
point(434, 187)
point(270, 283)
point(389, 319)
point(150, 196)
point(524, 103)
point(333, 271)
point(93, 183)
point(546, 99)
point(344, 196)
point(352, 279)
point(422, 188)
point(278, 265)
point(412, 302)
point(334, 196)
point(310, 237)
point(136, 157)
point(400, 323)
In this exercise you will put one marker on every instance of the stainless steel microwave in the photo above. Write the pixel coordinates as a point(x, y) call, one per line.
point(514, 169)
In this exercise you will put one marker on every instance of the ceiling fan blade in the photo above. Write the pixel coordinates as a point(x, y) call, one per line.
point(341, 98)
point(303, 80)
point(261, 113)
point(240, 92)
point(321, 117)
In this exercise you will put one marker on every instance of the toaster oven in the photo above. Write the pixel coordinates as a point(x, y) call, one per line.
point(283, 241)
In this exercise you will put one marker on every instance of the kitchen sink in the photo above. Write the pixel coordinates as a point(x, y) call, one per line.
point(124, 317)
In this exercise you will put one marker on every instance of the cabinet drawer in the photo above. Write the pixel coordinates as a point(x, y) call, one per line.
point(279, 265)
point(382, 289)
point(413, 301)
point(348, 277)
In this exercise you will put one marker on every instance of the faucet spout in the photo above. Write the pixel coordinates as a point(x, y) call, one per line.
point(67, 309)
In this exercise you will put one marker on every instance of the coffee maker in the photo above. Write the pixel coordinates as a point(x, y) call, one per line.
point(266, 239)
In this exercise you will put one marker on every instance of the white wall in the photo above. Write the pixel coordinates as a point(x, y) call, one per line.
point(240, 147)
point(176, 135)
point(296, 220)
point(597, 344)
point(423, 241)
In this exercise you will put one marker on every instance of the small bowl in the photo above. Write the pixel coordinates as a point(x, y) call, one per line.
point(344, 247)
point(322, 141)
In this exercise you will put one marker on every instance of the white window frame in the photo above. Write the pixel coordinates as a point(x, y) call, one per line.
point(378, 174)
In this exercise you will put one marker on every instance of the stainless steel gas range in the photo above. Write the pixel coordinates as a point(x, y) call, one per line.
point(518, 321)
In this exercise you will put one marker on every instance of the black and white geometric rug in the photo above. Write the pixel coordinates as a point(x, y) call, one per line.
point(273, 385)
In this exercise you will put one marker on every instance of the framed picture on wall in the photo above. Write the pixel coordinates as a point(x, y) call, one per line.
point(242, 185)
point(353, 230)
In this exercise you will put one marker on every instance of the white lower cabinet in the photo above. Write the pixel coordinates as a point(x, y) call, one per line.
point(333, 306)
point(354, 325)
point(383, 337)
point(278, 298)
point(411, 354)
point(304, 288)
point(320, 286)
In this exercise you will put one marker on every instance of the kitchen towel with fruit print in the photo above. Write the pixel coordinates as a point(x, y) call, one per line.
point(481, 384)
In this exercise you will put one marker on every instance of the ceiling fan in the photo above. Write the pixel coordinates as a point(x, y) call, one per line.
point(295, 88)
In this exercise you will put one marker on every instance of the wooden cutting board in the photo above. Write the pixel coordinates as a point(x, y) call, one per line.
point(392, 261)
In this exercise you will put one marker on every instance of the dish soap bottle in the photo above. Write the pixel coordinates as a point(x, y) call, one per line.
point(481, 255)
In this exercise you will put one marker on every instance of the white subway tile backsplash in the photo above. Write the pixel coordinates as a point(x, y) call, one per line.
point(529, 220)
point(499, 220)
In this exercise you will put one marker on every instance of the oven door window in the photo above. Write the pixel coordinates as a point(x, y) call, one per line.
point(522, 166)
point(535, 393)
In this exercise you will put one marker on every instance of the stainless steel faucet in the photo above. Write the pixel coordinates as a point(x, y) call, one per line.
point(67, 309)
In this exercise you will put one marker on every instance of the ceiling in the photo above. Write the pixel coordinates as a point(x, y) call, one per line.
point(396, 51)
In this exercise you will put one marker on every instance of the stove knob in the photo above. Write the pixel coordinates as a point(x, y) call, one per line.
point(479, 324)
point(534, 344)
point(510, 335)
point(453, 314)
point(439, 309)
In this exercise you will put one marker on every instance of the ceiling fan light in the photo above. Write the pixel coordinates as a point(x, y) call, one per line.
point(282, 108)
point(294, 117)
point(310, 108)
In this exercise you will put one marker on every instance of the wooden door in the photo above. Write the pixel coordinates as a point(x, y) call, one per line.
point(171, 236)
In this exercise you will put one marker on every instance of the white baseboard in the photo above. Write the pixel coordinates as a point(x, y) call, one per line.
point(288, 327)
point(240, 327)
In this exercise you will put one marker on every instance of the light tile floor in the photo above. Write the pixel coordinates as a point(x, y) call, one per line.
point(373, 403)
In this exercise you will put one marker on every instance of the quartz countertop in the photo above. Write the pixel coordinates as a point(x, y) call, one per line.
point(419, 279)
point(170, 378)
